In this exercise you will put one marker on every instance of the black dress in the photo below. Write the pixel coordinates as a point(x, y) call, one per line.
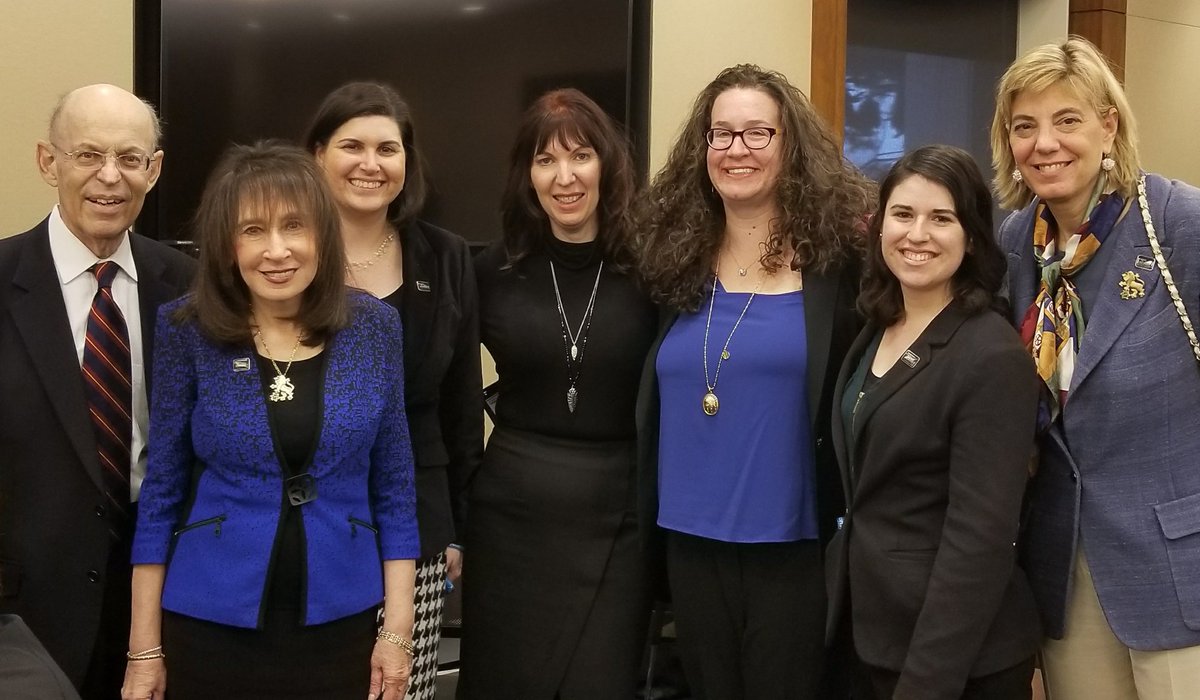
point(283, 658)
point(556, 596)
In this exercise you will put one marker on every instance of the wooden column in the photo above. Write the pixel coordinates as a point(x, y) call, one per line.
point(828, 79)
point(1101, 22)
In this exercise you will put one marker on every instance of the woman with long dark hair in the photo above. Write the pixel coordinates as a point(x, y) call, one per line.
point(556, 602)
point(364, 140)
point(277, 511)
point(933, 430)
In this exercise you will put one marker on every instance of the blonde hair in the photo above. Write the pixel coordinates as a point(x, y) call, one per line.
point(1080, 66)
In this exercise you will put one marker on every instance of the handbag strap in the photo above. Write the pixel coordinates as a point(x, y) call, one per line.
point(1166, 272)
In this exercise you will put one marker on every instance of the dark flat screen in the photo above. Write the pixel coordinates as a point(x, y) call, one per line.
point(234, 71)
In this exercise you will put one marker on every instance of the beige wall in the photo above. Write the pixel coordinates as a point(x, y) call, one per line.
point(694, 39)
point(1041, 22)
point(48, 47)
point(1162, 78)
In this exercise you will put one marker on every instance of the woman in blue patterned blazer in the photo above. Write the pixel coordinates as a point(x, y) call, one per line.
point(1111, 537)
point(278, 507)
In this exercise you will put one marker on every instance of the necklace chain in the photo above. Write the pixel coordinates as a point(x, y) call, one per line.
point(1172, 290)
point(351, 264)
point(575, 343)
point(710, 403)
point(282, 388)
point(742, 271)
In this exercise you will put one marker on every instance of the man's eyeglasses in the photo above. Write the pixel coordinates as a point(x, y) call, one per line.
point(755, 138)
point(130, 161)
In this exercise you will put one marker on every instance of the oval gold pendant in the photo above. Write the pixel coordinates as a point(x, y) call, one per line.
point(711, 404)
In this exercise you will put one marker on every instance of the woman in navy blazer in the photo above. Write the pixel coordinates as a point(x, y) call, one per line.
point(1112, 534)
point(933, 430)
point(278, 506)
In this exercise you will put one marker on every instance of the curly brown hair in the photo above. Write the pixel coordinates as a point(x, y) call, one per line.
point(823, 199)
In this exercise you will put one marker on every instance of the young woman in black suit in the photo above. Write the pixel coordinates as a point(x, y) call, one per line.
point(934, 432)
point(363, 137)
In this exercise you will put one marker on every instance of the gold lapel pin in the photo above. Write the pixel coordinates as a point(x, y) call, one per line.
point(1132, 286)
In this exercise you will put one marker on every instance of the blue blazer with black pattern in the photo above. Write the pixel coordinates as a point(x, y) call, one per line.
point(209, 427)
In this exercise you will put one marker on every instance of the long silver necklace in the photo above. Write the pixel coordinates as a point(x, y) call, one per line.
point(710, 404)
point(282, 388)
point(575, 343)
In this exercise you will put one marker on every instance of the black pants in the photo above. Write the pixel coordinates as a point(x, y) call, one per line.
point(750, 618)
point(1012, 683)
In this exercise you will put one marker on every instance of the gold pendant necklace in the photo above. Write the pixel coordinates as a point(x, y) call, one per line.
point(352, 265)
point(282, 388)
point(710, 404)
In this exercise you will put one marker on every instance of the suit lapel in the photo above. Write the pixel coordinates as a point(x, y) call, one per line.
point(421, 291)
point(840, 439)
point(40, 316)
point(919, 355)
point(820, 305)
point(153, 291)
point(1022, 272)
point(1111, 314)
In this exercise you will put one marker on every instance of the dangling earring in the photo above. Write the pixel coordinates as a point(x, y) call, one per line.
point(1016, 175)
point(1107, 163)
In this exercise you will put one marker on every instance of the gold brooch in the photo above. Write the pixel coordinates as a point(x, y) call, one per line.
point(1132, 286)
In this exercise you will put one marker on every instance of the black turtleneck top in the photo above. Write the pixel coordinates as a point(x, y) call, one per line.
point(519, 325)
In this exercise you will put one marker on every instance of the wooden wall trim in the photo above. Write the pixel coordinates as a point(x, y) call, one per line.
point(828, 80)
point(1101, 22)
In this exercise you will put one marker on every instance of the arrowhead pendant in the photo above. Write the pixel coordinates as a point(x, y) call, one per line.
point(572, 399)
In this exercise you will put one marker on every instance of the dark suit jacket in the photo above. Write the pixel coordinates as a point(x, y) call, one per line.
point(933, 501)
point(26, 671)
point(830, 325)
point(442, 378)
point(54, 524)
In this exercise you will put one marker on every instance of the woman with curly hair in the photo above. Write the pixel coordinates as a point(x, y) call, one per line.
point(751, 240)
point(556, 601)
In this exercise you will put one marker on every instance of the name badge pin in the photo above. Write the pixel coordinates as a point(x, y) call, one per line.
point(422, 286)
point(910, 358)
point(241, 364)
point(1144, 263)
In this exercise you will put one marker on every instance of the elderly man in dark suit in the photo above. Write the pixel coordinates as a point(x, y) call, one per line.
point(78, 295)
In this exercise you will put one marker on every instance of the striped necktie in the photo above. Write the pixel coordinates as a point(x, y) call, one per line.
point(107, 383)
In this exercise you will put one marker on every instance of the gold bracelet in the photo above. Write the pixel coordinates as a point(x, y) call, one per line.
point(149, 654)
point(399, 641)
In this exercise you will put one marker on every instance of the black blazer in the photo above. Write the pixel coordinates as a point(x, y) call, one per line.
point(54, 524)
point(831, 323)
point(439, 308)
point(941, 450)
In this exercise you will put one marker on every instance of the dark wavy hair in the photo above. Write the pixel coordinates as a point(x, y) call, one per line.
point(976, 282)
point(569, 117)
point(362, 99)
point(822, 198)
point(266, 175)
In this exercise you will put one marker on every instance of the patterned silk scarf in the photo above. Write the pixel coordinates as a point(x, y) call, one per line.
point(1053, 326)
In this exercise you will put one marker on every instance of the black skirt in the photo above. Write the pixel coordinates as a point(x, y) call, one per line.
point(284, 660)
point(555, 591)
